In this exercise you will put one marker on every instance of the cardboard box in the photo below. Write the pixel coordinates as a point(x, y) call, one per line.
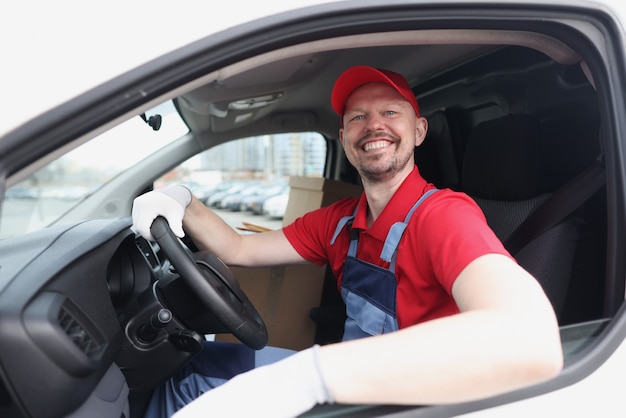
point(309, 193)
point(285, 295)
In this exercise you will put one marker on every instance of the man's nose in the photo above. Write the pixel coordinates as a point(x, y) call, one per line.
point(375, 122)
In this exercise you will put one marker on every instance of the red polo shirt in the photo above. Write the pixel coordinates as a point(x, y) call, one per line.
point(444, 235)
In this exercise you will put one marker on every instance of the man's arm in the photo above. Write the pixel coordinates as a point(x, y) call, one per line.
point(211, 233)
point(506, 337)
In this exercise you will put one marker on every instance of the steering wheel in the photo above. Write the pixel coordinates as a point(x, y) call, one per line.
point(215, 286)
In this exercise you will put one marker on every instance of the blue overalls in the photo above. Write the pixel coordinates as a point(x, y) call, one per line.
point(369, 291)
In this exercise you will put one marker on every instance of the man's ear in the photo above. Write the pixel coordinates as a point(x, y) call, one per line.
point(341, 136)
point(421, 128)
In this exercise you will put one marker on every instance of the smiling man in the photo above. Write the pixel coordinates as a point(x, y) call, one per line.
point(368, 109)
point(448, 314)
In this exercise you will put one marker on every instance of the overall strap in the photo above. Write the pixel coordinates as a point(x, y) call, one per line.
point(393, 237)
point(346, 220)
point(397, 230)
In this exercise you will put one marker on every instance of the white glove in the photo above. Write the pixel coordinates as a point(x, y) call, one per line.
point(283, 389)
point(169, 202)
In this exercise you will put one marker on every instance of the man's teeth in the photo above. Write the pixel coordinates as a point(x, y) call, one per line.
point(375, 145)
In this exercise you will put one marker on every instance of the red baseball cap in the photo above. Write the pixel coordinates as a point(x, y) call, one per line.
point(355, 77)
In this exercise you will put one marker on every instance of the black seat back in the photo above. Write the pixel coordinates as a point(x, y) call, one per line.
point(436, 157)
point(503, 170)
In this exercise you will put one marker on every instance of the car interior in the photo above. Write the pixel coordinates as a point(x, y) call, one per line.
point(94, 317)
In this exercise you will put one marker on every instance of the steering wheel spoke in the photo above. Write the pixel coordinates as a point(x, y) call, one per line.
point(216, 287)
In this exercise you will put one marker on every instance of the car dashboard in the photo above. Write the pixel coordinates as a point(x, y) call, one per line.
point(77, 310)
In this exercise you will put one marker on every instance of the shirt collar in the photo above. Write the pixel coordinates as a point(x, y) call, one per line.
point(411, 189)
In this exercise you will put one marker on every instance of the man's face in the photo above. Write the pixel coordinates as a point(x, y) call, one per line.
point(380, 132)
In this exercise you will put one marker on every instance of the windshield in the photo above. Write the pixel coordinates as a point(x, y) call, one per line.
point(45, 196)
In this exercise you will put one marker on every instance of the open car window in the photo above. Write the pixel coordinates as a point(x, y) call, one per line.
point(247, 180)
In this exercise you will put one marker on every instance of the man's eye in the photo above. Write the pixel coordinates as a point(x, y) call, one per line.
point(390, 112)
point(358, 117)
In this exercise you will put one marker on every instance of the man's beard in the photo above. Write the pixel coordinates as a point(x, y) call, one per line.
point(378, 172)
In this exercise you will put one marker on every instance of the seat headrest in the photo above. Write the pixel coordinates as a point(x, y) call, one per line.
point(503, 159)
point(435, 157)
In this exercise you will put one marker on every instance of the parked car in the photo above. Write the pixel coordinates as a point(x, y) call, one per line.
point(220, 187)
point(233, 201)
point(20, 192)
point(215, 199)
point(254, 203)
point(525, 102)
point(275, 206)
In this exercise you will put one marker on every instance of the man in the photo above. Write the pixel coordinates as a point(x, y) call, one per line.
point(451, 315)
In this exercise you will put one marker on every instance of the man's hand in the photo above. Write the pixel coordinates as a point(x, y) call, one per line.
point(169, 202)
point(284, 389)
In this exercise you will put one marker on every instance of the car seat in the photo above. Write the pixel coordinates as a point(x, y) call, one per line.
point(504, 170)
point(436, 157)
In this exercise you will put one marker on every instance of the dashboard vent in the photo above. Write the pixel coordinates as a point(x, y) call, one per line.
point(65, 333)
point(77, 333)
